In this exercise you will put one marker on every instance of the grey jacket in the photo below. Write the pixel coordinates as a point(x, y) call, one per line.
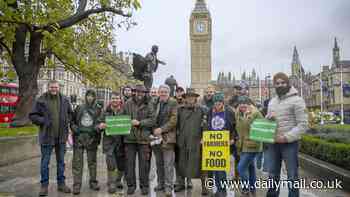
point(291, 115)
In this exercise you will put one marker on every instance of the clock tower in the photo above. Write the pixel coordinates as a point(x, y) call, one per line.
point(200, 34)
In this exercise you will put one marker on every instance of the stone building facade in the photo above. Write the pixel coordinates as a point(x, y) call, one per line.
point(259, 89)
point(331, 84)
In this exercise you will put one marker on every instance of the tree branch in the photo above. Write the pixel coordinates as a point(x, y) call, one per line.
point(74, 19)
point(80, 16)
point(116, 66)
point(5, 46)
point(73, 67)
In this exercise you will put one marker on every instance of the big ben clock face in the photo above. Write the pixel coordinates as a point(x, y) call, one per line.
point(200, 27)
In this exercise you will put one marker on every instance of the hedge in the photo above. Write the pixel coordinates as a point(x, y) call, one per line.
point(334, 137)
point(335, 153)
point(333, 128)
point(19, 131)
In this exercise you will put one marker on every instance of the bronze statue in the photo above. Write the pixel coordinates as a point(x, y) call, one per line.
point(172, 83)
point(145, 67)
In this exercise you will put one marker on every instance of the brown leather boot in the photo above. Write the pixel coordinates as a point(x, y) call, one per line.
point(76, 189)
point(44, 191)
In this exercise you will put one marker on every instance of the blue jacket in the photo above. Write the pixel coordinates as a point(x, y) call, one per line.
point(41, 116)
point(230, 125)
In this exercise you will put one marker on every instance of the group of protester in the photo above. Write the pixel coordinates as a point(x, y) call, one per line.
point(170, 129)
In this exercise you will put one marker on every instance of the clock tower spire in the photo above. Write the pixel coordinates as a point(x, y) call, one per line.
point(200, 35)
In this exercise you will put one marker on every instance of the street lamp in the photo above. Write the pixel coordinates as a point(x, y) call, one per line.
point(259, 85)
point(301, 81)
point(341, 96)
point(321, 101)
point(267, 78)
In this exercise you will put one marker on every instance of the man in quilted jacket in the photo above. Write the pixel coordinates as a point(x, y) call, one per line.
point(289, 111)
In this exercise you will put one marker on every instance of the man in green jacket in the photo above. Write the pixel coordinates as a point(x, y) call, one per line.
point(138, 141)
point(86, 136)
point(52, 112)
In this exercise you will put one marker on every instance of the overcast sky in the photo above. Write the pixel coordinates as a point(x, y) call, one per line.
point(247, 34)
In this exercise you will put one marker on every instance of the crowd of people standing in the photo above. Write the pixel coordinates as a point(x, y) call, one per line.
point(168, 123)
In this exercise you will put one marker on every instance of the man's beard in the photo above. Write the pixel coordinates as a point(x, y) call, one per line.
point(139, 99)
point(280, 91)
point(190, 105)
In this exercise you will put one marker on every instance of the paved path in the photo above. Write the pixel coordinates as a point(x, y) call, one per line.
point(22, 180)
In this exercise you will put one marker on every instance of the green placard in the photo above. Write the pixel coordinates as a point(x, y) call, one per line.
point(263, 130)
point(118, 125)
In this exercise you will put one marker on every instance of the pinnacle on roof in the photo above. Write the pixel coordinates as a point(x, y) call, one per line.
point(335, 43)
point(296, 59)
point(200, 6)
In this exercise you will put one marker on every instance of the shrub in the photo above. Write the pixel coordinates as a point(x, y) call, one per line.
point(334, 128)
point(335, 153)
point(336, 137)
point(19, 131)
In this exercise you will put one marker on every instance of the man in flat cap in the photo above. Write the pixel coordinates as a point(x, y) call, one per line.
point(191, 120)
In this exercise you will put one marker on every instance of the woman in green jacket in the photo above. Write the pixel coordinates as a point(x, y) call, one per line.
point(248, 149)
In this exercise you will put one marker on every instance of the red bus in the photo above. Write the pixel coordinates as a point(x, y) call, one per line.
point(8, 101)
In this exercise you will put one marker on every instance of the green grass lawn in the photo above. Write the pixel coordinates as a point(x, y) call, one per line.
point(19, 131)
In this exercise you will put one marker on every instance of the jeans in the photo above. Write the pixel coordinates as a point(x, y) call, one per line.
point(266, 161)
point(259, 160)
point(246, 170)
point(287, 152)
point(219, 177)
point(46, 151)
